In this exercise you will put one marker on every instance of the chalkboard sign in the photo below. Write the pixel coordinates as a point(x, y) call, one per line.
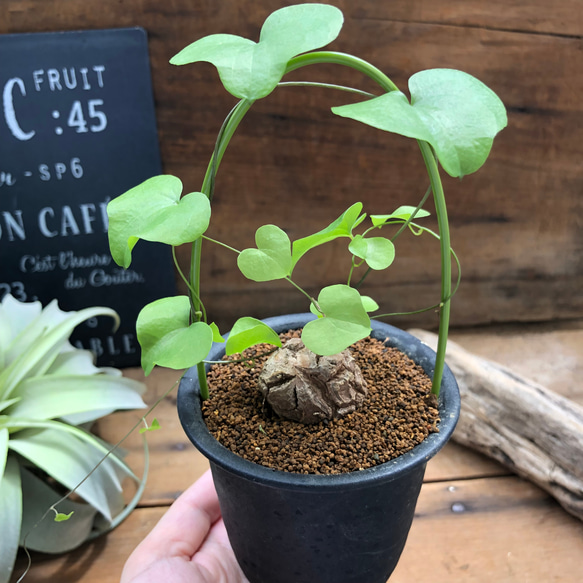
point(77, 128)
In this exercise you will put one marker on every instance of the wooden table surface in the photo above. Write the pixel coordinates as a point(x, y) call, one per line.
point(475, 521)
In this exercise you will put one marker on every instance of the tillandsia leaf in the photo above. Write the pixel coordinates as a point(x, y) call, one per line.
point(55, 396)
point(248, 332)
point(250, 70)
point(10, 517)
point(345, 321)
point(3, 450)
point(155, 211)
point(403, 213)
point(168, 339)
point(48, 343)
point(49, 536)
point(75, 361)
point(454, 112)
point(69, 460)
point(272, 258)
point(341, 227)
point(378, 252)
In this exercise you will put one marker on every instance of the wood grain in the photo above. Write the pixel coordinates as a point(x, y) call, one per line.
point(516, 224)
point(533, 431)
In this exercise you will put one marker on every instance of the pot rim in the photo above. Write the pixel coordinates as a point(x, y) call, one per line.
point(188, 403)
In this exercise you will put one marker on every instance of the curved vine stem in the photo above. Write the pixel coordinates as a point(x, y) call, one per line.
point(226, 133)
point(445, 246)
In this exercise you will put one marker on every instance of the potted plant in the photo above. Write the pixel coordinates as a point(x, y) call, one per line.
point(290, 526)
point(50, 394)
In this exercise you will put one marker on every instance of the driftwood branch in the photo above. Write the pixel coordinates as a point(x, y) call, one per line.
point(531, 430)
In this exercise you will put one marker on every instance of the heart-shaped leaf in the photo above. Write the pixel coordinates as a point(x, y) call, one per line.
point(154, 211)
point(341, 227)
point(250, 70)
point(368, 304)
point(378, 252)
point(453, 111)
point(345, 321)
point(248, 332)
point(403, 213)
point(272, 258)
point(168, 339)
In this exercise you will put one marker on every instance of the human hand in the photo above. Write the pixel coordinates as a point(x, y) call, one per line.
point(188, 545)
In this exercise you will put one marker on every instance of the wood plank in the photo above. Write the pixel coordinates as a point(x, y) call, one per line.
point(497, 529)
point(548, 354)
point(503, 529)
point(516, 224)
point(563, 17)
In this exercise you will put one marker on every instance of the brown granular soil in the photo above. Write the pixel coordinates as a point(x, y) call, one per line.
point(398, 413)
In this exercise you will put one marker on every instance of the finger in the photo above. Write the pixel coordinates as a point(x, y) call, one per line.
point(186, 524)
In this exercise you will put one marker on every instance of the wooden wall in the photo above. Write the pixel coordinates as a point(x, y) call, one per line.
point(516, 224)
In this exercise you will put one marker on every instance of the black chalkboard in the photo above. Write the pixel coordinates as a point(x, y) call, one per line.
point(77, 128)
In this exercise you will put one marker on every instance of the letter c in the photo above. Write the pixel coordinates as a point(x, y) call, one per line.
point(10, 114)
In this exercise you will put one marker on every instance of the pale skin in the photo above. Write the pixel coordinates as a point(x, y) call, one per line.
point(188, 545)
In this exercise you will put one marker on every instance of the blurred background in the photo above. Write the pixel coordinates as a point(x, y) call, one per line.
point(516, 223)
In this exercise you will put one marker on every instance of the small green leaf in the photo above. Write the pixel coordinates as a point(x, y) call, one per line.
point(341, 227)
point(248, 332)
point(403, 213)
point(250, 70)
point(154, 211)
point(272, 258)
point(60, 517)
point(152, 427)
point(369, 304)
point(216, 334)
point(345, 321)
point(378, 252)
point(451, 110)
point(168, 339)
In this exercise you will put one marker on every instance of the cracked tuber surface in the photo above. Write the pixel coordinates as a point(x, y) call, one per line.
point(302, 386)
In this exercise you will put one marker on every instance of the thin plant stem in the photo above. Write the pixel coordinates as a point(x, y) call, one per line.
point(326, 86)
point(445, 246)
point(221, 244)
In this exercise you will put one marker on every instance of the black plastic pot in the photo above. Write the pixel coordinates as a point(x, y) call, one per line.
point(295, 528)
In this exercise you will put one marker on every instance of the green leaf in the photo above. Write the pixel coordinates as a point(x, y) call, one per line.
point(345, 321)
point(216, 334)
point(152, 427)
point(52, 396)
point(250, 70)
point(113, 464)
point(47, 340)
point(369, 304)
point(60, 517)
point(168, 339)
point(248, 332)
point(154, 211)
point(10, 517)
point(341, 227)
point(272, 258)
point(403, 213)
point(378, 252)
point(69, 460)
point(3, 450)
point(453, 111)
